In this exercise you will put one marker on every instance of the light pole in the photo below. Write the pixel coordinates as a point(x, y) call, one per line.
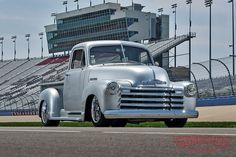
point(208, 3)
point(104, 1)
point(77, 2)
point(189, 2)
point(14, 42)
point(41, 38)
point(90, 3)
point(1, 42)
point(160, 10)
point(133, 4)
point(28, 42)
point(54, 17)
point(174, 6)
point(233, 42)
point(65, 4)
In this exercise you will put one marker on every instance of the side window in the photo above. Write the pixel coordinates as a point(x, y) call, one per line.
point(78, 60)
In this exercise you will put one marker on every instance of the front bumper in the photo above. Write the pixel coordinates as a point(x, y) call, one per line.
point(149, 114)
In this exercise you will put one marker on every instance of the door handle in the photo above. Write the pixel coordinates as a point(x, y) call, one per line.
point(67, 75)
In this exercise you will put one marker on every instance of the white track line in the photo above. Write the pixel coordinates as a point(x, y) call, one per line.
point(170, 133)
point(121, 132)
point(47, 131)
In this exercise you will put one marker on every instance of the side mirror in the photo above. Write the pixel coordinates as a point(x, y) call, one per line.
point(157, 64)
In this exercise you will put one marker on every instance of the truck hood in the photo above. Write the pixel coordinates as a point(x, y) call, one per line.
point(135, 74)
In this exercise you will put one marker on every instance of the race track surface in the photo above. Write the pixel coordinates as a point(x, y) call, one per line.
point(117, 142)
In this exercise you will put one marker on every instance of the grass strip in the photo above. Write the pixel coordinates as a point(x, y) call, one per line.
point(146, 124)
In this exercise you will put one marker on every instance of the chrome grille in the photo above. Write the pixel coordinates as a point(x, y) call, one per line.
point(151, 98)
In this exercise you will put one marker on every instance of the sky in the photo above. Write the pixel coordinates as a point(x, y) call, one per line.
point(20, 17)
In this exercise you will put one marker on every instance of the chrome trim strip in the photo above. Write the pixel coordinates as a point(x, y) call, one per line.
point(146, 99)
point(67, 118)
point(176, 100)
point(149, 114)
point(144, 105)
point(153, 88)
point(177, 94)
point(176, 106)
point(146, 94)
point(148, 89)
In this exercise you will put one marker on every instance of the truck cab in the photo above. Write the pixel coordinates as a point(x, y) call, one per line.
point(114, 82)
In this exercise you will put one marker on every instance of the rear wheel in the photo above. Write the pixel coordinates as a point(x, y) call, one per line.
point(97, 116)
point(44, 116)
point(176, 123)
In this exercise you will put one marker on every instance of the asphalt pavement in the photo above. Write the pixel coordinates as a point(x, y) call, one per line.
point(116, 142)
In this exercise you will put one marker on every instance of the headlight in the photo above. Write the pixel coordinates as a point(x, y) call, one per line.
point(113, 88)
point(190, 90)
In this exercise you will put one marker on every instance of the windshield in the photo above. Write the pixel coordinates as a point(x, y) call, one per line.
point(117, 54)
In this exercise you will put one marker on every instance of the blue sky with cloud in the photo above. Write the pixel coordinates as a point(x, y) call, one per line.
point(20, 17)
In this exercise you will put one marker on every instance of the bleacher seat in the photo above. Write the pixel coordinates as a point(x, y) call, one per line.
point(20, 80)
point(53, 60)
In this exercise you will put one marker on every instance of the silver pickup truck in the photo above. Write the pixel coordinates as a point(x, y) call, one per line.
point(114, 82)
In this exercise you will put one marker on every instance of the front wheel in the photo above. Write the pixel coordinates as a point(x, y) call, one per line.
point(44, 116)
point(97, 116)
point(176, 123)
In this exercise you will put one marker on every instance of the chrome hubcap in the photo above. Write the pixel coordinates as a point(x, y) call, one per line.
point(95, 110)
point(44, 114)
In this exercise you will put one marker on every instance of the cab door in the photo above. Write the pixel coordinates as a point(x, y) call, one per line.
point(73, 85)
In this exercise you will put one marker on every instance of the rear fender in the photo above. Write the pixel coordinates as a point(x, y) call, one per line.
point(54, 102)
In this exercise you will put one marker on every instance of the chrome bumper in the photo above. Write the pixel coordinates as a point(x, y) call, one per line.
point(149, 114)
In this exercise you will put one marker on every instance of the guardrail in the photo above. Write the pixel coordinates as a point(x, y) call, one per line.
point(216, 101)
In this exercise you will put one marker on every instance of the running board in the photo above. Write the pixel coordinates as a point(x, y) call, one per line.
point(67, 119)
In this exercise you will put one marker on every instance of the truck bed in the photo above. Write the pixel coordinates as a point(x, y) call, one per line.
point(57, 85)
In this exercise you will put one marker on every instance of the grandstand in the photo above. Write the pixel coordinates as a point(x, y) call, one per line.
point(159, 47)
point(20, 79)
point(19, 88)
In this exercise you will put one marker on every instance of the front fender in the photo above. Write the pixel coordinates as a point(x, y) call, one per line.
point(96, 88)
point(54, 102)
point(189, 102)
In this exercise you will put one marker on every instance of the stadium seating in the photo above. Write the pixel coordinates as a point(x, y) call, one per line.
point(11, 66)
point(19, 82)
point(160, 47)
point(5, 63)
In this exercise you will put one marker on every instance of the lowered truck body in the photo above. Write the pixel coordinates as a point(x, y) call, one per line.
point(113, 82)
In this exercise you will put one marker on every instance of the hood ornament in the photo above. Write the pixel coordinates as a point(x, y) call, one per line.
point(155, 82)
